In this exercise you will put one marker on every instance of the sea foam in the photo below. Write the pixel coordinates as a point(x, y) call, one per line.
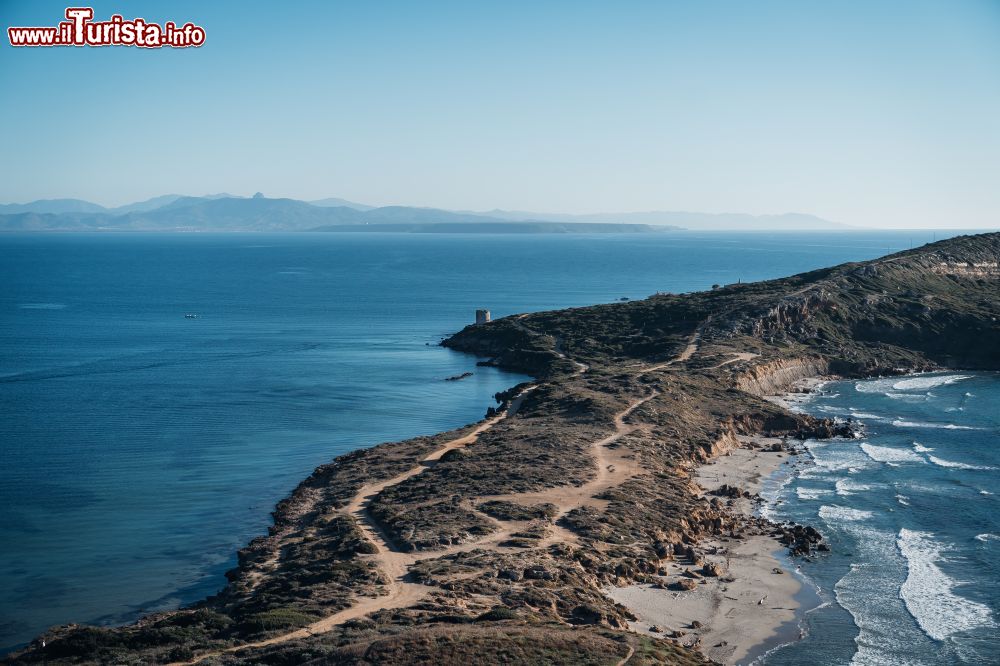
point(886, 454)
point(831, 457)
point(900, 423)
point(907, 397)
point(870, 593)
point(924, 383)
point(956, 465)
point(929, 594)
point(834, 512)
point(874, 386)
point(847, 487)
point(867, 416)
point(812, 493)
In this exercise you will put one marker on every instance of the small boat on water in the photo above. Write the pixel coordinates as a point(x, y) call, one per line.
point(191, 315)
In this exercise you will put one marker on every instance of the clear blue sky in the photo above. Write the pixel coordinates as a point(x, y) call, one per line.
point(870, 113)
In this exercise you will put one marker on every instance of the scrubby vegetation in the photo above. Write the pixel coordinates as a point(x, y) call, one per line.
point(536, 597)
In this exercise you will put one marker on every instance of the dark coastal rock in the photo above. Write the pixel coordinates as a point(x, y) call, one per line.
point(455, 378)
point(539, 572)
point(726, 490)
point(826, 429)
point(713, 569)
point(684, 584)
point(800, 539)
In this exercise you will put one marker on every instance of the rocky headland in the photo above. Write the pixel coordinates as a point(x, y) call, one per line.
point(499, 542)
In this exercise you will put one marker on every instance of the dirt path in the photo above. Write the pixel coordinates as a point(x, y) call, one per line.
point(394, 563)
point(736, 356)
point(615, 465)
point(628, 655)
point(690, 350)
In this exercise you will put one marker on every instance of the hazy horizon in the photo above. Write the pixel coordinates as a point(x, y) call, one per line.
point(882, 116)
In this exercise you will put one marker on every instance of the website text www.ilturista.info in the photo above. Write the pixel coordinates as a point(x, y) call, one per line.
point(81, 30)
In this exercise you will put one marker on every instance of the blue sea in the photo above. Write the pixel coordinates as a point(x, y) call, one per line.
point(912, 513)
point(140, 449)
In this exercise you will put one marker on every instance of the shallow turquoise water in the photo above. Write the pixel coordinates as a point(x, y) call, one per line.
point(140, 449)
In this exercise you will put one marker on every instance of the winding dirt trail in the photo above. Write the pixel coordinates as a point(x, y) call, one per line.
point(615, 465)
point(735, 357)
point(393, 562)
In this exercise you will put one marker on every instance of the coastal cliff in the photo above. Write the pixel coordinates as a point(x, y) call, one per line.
point(779, 375)
point(500, 537)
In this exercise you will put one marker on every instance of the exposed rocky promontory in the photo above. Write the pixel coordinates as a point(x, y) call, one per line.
point(494, 542)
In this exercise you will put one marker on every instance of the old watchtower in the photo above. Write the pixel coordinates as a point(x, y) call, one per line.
point(482, 316)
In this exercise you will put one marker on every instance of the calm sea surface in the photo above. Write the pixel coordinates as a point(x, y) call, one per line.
point(139, 449)
point(912, 513)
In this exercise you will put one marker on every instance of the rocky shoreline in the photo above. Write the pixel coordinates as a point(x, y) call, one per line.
point(506, 534)
point(733, 596)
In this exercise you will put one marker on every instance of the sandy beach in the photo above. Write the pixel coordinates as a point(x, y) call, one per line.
point(751, 607)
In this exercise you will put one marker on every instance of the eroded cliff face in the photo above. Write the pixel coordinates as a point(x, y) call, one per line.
point(722, 445)
point(779, 375)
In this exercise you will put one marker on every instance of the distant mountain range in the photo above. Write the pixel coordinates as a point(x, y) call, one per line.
point(225, 212)
point(692, 221)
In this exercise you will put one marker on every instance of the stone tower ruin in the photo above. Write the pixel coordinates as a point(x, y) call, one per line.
point(482, 316)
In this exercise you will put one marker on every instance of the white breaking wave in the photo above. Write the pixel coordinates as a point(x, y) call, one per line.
point(924, 383)
point(920, 448)
point(771, 496)
point(874, 386)
point(835, 456)
point(985, 492)
point(987, 537)
point(908, 397)
point(834, 512)
point(928, 592)
point(887, 454)
point(903, 499)
point(899, 423)
point(849, 487)
point(866, 415)
point(956, 465)
point(870, 593)
point(811, 493)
